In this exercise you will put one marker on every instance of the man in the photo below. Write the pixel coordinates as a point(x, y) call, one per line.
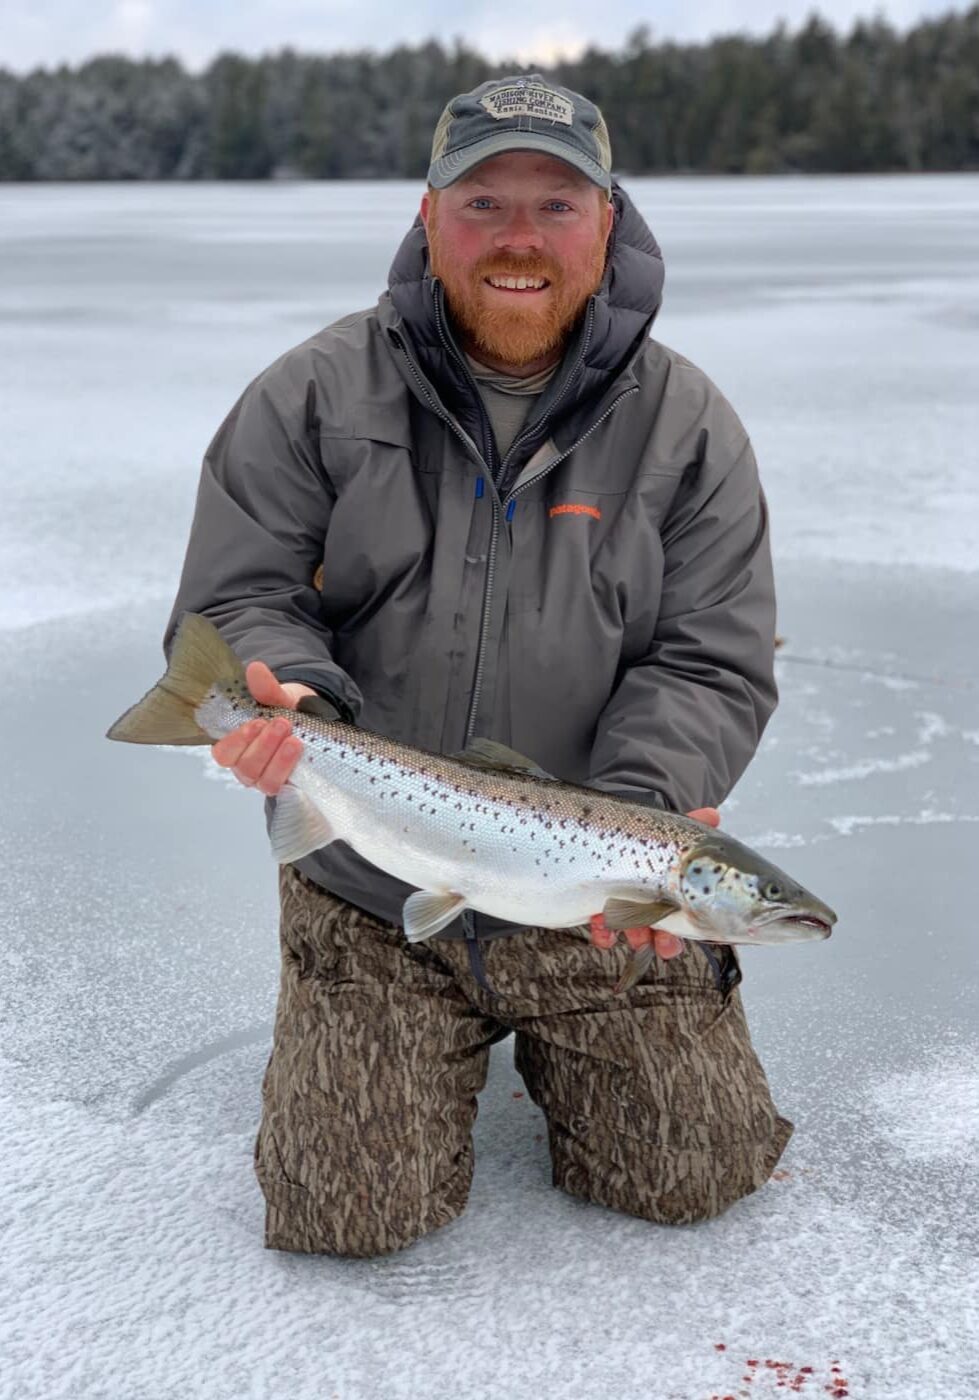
point(492, 506)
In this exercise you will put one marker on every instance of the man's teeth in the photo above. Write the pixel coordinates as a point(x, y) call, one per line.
point(517, 284)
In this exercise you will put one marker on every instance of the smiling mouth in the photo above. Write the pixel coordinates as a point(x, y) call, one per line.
point(519, 285)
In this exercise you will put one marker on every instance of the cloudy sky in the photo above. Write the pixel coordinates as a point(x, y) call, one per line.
point(45, 32)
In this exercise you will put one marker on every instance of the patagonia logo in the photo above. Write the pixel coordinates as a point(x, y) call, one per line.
point(522, 100)
point(575, 509)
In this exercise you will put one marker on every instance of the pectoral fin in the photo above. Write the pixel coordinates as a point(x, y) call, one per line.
point(298, 826)
point(426, 913)
point(636, 967)
point(629, 913)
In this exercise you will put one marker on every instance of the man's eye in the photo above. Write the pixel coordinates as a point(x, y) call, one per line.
point(562, 202)
point(480, 200)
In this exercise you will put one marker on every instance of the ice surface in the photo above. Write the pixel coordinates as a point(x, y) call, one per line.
point(139, 963)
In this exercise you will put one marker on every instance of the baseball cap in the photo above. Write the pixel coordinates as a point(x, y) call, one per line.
point(520, 113)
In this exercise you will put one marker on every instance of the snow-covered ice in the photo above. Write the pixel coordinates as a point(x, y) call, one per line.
point(138, 967)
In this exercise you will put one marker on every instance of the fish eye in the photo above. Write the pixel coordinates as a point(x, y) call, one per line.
point(772, 890)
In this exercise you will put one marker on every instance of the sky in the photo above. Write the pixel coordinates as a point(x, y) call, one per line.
point(69, 31)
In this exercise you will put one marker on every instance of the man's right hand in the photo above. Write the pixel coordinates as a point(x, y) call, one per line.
point(263, 753)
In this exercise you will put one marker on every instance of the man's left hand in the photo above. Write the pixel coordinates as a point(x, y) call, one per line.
point(667, 945)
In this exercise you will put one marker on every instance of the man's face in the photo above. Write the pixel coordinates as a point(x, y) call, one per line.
point(518, 215)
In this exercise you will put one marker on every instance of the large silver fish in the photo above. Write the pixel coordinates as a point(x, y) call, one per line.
point(484, 830)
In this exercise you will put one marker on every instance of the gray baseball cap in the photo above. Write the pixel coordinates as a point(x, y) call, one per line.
point(522, 113)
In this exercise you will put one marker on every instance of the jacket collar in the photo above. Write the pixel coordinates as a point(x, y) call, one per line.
point(607, 339)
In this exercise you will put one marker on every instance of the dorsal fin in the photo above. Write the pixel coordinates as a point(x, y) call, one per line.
point(497, 758)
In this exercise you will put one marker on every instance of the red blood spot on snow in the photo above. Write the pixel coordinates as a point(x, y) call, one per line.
point(517, 1094)
point(720, 1346)
point(749, 1362)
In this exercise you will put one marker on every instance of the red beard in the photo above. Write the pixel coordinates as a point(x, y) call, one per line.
point(512, 330)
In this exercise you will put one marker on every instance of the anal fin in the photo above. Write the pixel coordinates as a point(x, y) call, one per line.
point(298, 826)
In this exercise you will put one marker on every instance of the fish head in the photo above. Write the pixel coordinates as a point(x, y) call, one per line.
point(743, 898)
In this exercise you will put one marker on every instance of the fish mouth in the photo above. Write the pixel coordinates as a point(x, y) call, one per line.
point(819, 925)
point(790, 928)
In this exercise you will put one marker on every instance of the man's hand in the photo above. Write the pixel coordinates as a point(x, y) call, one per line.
point(667, 945)
point(263, 753)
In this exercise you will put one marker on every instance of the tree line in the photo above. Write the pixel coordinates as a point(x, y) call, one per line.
point(808, 101)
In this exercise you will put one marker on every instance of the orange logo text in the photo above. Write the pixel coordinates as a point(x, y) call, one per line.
point(576, 509)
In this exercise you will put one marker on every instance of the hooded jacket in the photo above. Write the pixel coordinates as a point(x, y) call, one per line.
point(601, 600)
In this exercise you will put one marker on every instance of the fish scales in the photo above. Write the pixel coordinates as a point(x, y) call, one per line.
point(484, 829)
point(522, 849)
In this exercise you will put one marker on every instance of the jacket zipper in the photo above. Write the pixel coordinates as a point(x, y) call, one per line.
point(569, 380)
point(511, 495)
point(491, 561)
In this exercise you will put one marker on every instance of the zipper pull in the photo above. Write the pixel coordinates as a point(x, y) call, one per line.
point(510, 509)
point(480, 487)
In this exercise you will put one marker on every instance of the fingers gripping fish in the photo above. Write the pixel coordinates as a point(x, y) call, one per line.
point(485, 829)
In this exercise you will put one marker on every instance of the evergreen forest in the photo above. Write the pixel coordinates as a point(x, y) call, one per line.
point(808, 100)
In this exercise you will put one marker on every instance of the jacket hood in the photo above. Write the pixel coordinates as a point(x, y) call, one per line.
point(617, 320)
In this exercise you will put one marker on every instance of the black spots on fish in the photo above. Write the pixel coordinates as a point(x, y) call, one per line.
point(410, 798)
point(373, 780)
point(548, 825)
point(718, 869)
point(458, 806)
point(472, 826)
point(586, 809)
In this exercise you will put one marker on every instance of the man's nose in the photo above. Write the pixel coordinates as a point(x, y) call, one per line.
point(519, 233)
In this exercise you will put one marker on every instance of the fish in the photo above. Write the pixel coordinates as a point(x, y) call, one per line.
point(485, 829)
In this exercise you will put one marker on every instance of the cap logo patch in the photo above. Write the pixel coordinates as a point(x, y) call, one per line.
point(524, 101)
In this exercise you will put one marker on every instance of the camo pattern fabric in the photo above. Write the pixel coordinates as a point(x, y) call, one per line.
point(655, 1101)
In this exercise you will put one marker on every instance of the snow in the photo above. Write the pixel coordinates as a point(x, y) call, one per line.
point(139, 965)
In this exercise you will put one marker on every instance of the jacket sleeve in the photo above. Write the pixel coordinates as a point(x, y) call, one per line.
point(263, 507)
point(684, 720)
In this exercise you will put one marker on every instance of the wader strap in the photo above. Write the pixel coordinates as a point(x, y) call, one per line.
point(475, 953)
point(724, 963)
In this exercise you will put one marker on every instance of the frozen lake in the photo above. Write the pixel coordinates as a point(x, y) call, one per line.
point(139, 959)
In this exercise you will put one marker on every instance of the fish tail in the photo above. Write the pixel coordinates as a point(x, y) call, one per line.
point(199, 659)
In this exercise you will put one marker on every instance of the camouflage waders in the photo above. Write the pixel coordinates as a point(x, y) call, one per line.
point(655, 1101)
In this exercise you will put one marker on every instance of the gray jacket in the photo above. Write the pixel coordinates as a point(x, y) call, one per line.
point(601, 600)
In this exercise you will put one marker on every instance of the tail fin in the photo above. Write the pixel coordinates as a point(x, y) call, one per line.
point(200, 658)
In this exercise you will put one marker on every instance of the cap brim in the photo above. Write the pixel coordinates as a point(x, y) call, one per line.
point(449, 168)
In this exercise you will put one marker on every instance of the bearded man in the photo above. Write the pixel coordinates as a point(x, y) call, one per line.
point(492, 506)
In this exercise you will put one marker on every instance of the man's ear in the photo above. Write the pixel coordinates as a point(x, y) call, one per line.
point(426, 205)
point(610, 217)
